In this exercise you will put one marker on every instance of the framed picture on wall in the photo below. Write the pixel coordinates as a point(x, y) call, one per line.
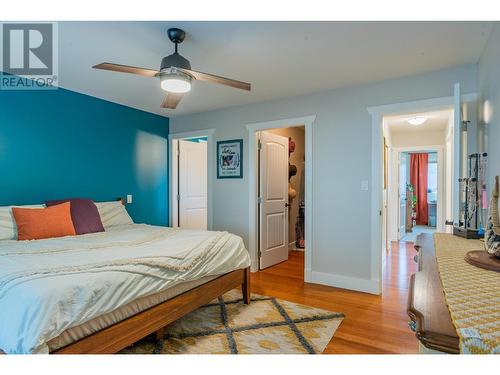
point(230, 159)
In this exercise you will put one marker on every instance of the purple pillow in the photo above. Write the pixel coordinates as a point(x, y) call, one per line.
point(86, 218)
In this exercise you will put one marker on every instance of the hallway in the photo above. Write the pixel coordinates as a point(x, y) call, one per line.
point(417, 229)
point(373, 324)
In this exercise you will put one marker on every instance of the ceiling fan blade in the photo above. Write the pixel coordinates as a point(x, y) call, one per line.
point(217, 79)
point(127, 69)
point(171, 100)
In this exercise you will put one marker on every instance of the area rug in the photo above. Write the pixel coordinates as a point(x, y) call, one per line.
point(227, 326)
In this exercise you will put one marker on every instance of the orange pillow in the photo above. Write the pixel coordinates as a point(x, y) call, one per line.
point(38, 223)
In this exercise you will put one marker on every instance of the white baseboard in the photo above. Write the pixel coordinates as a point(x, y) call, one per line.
point(307, 275)
point(292, 246)
point(340, 281)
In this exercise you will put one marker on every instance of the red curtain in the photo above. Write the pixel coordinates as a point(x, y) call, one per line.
point(418, 178)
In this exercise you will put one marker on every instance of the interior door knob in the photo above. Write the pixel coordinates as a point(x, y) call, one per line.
point(287, 205)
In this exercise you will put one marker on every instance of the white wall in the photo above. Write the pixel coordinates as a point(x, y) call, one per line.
point(417, 139)
point(489, 90)
point(341, 160)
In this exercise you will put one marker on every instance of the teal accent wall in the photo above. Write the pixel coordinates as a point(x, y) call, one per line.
point(60, 144)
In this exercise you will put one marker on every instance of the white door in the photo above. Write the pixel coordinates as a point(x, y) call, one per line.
point(192, 174)
point(402, 195)
point(273, 193)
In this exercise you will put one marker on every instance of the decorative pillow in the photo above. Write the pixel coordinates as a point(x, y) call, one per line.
point(113, 213)
point(39, 223)
point(86, 218)
point(8, 228)
point(492, 233)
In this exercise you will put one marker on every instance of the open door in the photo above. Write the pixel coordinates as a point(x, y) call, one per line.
point(459, 153)
point(192, 193)
point(273, 199)
point(402, 195)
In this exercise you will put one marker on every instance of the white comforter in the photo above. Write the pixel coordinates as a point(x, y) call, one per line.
point(48, 286)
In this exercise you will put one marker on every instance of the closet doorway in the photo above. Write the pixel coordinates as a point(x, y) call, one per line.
point(280, 195)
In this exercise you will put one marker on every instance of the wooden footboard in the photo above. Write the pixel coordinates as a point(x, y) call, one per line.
point(427, 308)
point(122, 334)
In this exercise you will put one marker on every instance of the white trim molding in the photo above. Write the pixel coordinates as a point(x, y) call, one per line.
point(425, 105)
point(307, 122)
point(209, 133)
point(377, 201)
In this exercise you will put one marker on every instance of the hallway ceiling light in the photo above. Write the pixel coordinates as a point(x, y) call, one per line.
point(417, 120)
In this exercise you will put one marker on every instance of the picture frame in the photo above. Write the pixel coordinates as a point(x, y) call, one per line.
point(230, 159)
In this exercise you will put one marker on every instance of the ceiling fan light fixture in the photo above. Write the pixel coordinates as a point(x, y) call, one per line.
point(417, 120)
point(175, 82)
point(175, 73)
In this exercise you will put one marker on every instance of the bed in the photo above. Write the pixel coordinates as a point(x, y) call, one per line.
point(101, 292)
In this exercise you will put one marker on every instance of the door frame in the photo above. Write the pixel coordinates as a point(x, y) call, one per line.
point(377, 114)
point(392, 193)
point(393, 205)
point(253, 207)
point(172, 172)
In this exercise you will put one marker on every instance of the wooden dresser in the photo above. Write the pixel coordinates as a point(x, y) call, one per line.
point(427, 309)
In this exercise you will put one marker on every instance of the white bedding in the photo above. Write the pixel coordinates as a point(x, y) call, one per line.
point(48, 286)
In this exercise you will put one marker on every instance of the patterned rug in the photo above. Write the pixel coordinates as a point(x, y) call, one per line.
point(227, 326)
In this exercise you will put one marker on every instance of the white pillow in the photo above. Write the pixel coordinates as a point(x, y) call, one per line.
point(8, 227)
point(113, 213)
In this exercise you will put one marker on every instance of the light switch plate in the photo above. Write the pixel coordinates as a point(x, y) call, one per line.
point(129, 198)
point(364, 185)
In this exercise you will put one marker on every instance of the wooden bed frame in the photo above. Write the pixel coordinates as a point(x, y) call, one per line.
point(118, 336)
point(155, 319)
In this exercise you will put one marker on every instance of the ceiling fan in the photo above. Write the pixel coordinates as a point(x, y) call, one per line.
point(175, 73)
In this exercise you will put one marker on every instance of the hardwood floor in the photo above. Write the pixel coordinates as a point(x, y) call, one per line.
point(372, 324)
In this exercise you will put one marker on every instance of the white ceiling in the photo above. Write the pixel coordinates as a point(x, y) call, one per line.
point(436, 121)
point(280, 59)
